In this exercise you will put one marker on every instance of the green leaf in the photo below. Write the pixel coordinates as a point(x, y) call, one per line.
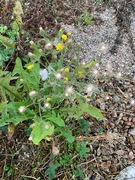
point(90, 64)
point(55, 118)
point(91, 110)
point(51, 171)
point(82, 149)
point(41, 129)
point(3, 105)
point(18, 67)
point(65, 132)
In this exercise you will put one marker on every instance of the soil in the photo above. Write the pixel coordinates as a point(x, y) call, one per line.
point(112, 140)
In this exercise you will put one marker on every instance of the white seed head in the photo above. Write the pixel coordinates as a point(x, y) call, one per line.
point(22, 109)
point(66, 94)
point(48, 46)
point(69, 90)
point(89, 88)
point(30, 54)
point(30, 138)
point(58, 76)
point(32, 93)
point(47, 105)
point(40, 28)
point(47, 126)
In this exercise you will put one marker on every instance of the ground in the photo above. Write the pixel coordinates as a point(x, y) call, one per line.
point(112, 140)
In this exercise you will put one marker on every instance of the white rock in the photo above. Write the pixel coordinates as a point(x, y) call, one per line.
point(127, 173)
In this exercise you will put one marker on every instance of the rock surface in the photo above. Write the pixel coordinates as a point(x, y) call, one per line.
point(127, 173)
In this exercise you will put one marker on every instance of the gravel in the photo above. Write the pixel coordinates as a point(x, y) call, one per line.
point(99, 39)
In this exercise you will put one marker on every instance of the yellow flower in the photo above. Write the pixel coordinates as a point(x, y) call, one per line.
point(66, 70)
point(69, 33)
point(64, 37)
point(68, 61)
point(85, 97)
point(59, 46)
point(66, 79)
point(48, 99)
point(30, 66)
point(80, 72)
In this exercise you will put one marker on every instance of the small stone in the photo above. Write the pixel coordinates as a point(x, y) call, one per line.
point(132, 131)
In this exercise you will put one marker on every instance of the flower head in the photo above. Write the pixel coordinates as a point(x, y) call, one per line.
point(30, 54)
point(59, 46)
point(64, 37)
point(90, 88)
point(66, 79)
point(44, 74)
point(48, 99)
point(66, 70)
point(69, 90)
point(47, 105)
point(58, 76)
point(48, 46)
point(69, 33)
point(22, 109)
point(29, 67)
point(32, 43)
point(32, 93)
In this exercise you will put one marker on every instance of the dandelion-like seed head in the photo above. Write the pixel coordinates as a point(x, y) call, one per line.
point(48, 46)
point(30, 138)
point(40, 28)
point(47, 105)
point(47, 126)
point(30, 54)
point(66, 94)
point(22, 109)
point(90, 88)
point(69, 90)
point(32, 93)
point(32, 43)
point(58, 76)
